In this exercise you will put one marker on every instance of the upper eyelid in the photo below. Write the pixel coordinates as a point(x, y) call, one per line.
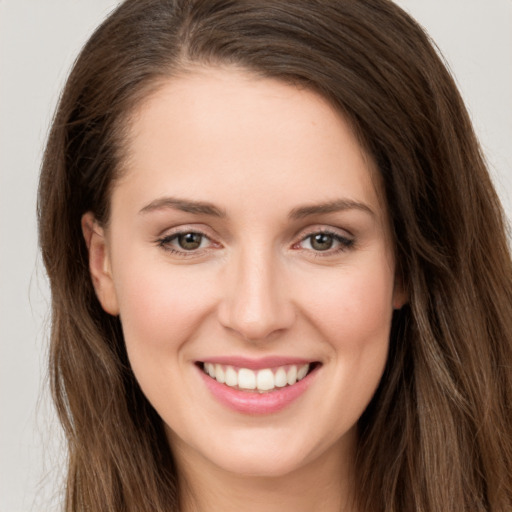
point(341, 232)
point(182, 229)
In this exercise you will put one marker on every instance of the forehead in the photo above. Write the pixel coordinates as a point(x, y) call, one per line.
point(220, 133)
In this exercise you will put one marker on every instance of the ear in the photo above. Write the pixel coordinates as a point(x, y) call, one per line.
point(99, 263)
point(400, 295)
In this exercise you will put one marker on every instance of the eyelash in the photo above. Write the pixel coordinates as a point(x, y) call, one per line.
point(344, 243)
point(165, 242)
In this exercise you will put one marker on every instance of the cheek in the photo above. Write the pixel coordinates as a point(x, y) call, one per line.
point(353, 314)
point(353, 307)
point(160, 305)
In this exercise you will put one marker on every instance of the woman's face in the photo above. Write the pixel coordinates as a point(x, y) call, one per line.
point(248, 239)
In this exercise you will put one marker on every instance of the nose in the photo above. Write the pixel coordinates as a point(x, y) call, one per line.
point(256, 302)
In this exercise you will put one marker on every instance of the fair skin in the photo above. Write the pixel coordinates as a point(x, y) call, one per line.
point(291, 258)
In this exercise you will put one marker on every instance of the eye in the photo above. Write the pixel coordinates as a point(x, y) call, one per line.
point(184, 242)
point(321, 241)
point(189, 241)
point(326, 241)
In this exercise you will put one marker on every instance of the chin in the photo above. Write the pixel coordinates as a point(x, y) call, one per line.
point(260, 455)
point(258, 465)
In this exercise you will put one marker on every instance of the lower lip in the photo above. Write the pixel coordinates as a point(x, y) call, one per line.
point(253, 402)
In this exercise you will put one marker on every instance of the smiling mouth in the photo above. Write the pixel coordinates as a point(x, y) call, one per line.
point(263, 380)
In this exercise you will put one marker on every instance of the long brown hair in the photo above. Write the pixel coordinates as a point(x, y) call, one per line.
point(437, 434)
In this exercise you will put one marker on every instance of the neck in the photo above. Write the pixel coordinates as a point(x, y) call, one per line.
point(323, 485)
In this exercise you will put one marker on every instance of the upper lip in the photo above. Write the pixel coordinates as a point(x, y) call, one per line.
point(257, 363)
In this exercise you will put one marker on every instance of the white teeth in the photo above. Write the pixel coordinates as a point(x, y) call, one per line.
point(291, 375)
point(265, 380)
point(280, 378)
point(231, 377)
point(219, 374)
point(303, 370)
point(246, 379)
point(262, 380)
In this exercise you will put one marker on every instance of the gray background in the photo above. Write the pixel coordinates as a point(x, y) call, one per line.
point(38, 41)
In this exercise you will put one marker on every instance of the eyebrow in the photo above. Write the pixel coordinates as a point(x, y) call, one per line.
point(205, 208)
point(184, 205)
point(330, 207)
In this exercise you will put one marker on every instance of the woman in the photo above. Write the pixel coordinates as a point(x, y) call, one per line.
point(279, 269)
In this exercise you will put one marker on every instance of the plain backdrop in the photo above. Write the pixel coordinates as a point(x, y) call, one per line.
point(39, 40)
